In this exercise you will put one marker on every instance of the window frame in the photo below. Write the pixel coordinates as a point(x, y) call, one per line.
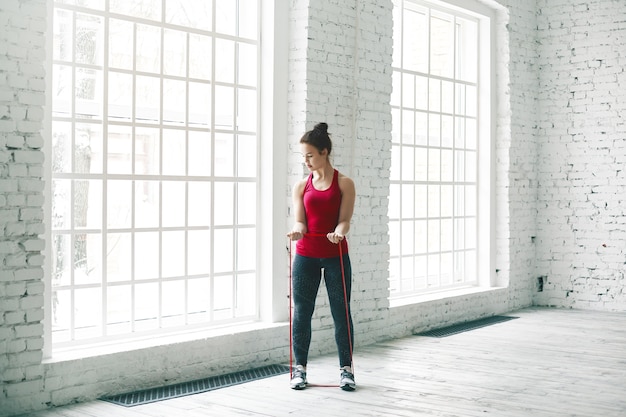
point(271, 139)
point(485, 178)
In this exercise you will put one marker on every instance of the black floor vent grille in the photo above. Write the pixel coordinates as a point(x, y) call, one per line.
point(195, 387)
point(464, 327)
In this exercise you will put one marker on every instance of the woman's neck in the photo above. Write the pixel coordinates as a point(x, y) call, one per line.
point(323, 173)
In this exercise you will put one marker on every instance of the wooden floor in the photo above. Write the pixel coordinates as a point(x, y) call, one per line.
point(546, 363)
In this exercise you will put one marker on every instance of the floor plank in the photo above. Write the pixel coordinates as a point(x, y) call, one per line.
point(546, 363)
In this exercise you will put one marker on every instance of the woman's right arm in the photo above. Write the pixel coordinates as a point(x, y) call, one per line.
point(299, 228)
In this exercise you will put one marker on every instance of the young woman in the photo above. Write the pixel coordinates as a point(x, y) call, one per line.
point(323, 205)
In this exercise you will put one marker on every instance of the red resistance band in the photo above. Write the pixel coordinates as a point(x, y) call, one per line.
point(345, 299)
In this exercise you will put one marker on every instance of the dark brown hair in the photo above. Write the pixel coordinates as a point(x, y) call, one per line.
point(318, 137)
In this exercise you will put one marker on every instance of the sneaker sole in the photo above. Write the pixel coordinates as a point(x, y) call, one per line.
point(348, 387)
point(299, 386)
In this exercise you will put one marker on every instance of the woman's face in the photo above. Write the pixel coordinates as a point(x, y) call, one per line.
point(313, 159)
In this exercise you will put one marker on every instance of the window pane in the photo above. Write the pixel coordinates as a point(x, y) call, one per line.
point(467, 59)
point(198, 296)
point(174, 52)
point(61, 203)
point(62, 90)
point(434, 95)
point(247, 64)
point(148, 47)
point(189, 13)
point(247, 25)
point(146, 304)
point(87, 260)
point(223, 251)
point(87, 204)
point(247, 156)
point(415, 38)
point(146, 252)
point(88, 148)
point(147, 99)
point(173, 254)
point(119, 309)
point(447, 97)
point(199, 206)
point(61, 145)
point(175, 151)
point(200, 56)
point(434, 165)
point(88, 94)
point(408, 201)
point(421, 236)
point(147, 208)
point(63, 48)
point(246, 112)
point(120, 100)
point(173, 203)
point(224, 113)
point(199, 252)
point(87, 312)
point(147, 151)
point(407, 162)
point(246, 203)
point(199, 105)
point(246, 302)
point(119, 209)
point(147, 9)
point(226, 17)
point(421, 201)
point(173, 304)
point(434, 196)
point(408, 127)
point(224, 193)
point(224, 150)
point(120, 150)
point(246, 253)
point(119, 257)
point(442, 44)
point(224, 60)
point(88, 39)
point(174, 102)
point(121, 37)
point(199, 153)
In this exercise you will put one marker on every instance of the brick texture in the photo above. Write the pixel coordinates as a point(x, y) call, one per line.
point(558, 186)
point(581, 239)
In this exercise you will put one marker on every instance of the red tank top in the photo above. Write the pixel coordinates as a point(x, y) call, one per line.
point(322, 215)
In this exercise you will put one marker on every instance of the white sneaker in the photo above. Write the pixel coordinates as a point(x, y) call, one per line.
point(346, 382)
point(298, 378)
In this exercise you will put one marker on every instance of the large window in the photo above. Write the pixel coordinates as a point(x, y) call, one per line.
point(439, 63)
point(153, 179)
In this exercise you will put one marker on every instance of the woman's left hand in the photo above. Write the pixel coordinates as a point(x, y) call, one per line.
point(335, 237)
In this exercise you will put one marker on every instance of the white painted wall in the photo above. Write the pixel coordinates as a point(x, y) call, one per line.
point(581, 227)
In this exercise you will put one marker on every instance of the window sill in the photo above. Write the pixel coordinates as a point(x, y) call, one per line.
point(441, 295)
point(151, 340)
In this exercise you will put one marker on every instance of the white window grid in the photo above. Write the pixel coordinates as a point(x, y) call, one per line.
point(154, 166)
point(433, 208)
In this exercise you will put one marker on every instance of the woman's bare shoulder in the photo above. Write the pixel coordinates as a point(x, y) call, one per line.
point(345, 181)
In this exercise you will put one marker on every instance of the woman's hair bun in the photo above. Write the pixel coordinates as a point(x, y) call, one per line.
point(322, 127)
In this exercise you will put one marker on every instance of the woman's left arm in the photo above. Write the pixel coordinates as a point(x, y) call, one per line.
point(348, 196)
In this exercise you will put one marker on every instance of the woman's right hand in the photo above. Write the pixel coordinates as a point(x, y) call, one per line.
point(294, 235)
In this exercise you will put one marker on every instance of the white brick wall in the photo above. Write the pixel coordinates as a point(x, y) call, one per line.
point(22, 87)
point(581, 239)
point(557, 199)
